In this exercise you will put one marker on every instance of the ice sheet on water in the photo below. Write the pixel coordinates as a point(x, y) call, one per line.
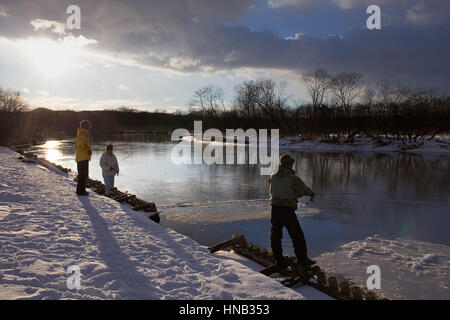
point(226, 211)
point(410, 269)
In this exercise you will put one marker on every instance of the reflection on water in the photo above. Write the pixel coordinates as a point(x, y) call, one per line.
point(52, 155)
point(52, 152)
point(51, 144)
point(358, 194)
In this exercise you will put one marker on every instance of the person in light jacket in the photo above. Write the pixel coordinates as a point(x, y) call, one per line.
point(285, 189)
point(110, 168)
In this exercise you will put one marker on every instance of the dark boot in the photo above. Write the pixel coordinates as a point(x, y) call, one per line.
point(282, 262)
point(305, 263)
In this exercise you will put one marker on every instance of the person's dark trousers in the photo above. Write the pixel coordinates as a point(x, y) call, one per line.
point(83, 173)
point(286, 217)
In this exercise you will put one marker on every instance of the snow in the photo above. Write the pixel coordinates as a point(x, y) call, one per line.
point(439, 145)
point(307, 291)
point(4, 211)
point(45, 228)
point(410, 269)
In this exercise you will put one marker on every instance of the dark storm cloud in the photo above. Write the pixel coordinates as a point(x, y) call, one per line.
point(421, 12)
point(194, 35)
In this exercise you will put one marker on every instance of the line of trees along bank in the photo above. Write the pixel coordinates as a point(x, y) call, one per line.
point(341, 106)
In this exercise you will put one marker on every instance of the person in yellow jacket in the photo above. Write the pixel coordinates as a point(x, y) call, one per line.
point(83, 156)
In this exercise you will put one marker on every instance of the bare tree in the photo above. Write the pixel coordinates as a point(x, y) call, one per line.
point(271, 98)
point(369, 94)
point(393, 93)
point(346, 87)
point(11, 101)
point(262, 99)
point(317, 84)
point(245, 98)
point(210, 99)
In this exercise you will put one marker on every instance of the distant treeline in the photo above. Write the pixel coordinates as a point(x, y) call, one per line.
point(341, 106)
point(44, 123)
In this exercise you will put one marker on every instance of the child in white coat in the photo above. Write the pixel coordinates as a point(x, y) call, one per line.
point(110, 168)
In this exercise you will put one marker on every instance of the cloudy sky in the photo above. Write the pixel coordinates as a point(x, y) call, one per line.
point(154, 54)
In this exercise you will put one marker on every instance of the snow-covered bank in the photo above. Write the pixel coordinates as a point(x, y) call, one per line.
point(45, 228)
point(410, 269)
point(439, 145)
point(302, 143)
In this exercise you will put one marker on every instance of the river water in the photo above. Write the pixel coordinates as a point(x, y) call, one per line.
point(359, 195)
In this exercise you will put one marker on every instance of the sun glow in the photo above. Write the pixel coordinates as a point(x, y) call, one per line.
point(52, 153)
point(50, 58)
point(51, 144)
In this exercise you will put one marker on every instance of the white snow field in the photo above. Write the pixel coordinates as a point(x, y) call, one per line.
point(45, 228)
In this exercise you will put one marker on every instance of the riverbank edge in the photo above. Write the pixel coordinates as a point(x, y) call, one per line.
point(440, 145)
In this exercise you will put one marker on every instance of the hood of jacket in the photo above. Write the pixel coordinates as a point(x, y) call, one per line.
point(283, 172)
